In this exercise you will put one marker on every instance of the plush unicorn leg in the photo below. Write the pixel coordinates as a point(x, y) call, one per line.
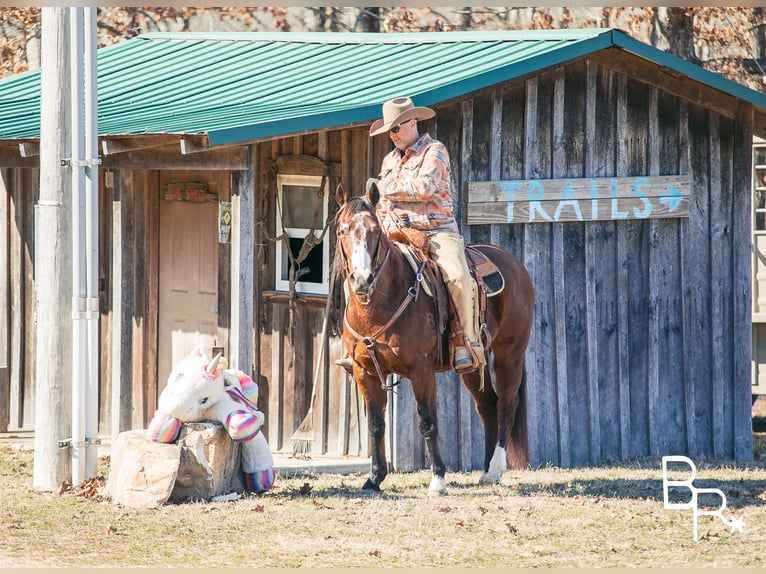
point(257, 464)
point(244, 426)
point(496, 467)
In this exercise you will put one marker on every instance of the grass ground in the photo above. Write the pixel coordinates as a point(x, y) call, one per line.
point(604, 516)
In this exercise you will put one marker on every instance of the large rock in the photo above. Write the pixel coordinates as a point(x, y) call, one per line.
point(203, 463)
point(143, 472)
point(210, 463)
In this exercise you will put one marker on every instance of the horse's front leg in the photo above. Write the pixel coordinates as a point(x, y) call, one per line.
point(424, 387)
point(375, 398)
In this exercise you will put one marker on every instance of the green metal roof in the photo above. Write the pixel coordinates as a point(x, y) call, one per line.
point(244, 86)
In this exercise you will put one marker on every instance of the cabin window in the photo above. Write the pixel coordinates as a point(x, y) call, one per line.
point(303, 249)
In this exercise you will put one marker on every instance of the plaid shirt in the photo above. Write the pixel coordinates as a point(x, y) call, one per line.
point(415, 184)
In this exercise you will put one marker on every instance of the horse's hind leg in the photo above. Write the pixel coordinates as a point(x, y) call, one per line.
point(511, 410)
point(424, 387)
point(486, 406)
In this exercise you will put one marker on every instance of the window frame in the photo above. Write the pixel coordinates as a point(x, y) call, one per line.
point(281, 258)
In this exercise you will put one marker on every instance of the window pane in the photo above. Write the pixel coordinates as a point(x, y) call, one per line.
point(299, 204)
point(312, 264)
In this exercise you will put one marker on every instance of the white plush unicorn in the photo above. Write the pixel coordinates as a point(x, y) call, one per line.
point(203, 389)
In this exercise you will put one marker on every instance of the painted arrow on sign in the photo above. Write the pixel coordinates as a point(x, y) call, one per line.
point(672, 200)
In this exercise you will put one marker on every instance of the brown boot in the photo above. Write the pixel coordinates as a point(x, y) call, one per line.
point(464, 361)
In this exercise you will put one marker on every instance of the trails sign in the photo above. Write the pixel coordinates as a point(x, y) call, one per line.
point(587, 199)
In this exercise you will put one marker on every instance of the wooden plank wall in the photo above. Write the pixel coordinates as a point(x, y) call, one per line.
point(17, 297)
point(642, 327)
point(286, 365)
point(5, 299)
point(633, 348)
point(134, 251)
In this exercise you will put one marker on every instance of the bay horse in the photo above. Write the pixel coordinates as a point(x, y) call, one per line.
point(390, 327)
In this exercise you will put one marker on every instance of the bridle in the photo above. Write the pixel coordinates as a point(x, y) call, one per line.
point(377, 266)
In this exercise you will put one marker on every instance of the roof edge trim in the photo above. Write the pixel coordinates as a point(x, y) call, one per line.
point(383, 37)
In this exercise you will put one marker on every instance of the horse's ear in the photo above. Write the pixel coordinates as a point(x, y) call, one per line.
point(372, 192)
point(340, 194)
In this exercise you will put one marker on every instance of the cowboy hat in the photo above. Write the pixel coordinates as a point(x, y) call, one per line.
point(398, 111)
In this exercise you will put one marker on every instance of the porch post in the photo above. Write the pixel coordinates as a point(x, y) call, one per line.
point(122, 300)
point(242, 265)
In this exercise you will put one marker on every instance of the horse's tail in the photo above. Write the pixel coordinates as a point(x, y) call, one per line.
point(517, 443)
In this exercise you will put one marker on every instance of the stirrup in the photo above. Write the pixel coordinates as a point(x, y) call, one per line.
point(465, 361)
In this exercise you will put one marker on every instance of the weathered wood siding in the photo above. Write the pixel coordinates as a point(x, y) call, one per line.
point(642, 327)
point(19, 188)
point(286, 364)
point(637, 344)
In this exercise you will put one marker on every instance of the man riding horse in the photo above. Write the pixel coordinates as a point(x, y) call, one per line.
point(416, 193)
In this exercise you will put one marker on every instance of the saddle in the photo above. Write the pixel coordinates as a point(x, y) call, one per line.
point(414, 245)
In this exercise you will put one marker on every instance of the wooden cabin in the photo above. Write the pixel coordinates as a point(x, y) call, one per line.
point(618, 173)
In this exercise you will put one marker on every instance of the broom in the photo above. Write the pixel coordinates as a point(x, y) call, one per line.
point(304, 435)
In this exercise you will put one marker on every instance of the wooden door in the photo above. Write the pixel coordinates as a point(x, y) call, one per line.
point(188, 281)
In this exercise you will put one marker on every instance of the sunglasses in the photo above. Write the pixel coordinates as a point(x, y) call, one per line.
point(395, 129)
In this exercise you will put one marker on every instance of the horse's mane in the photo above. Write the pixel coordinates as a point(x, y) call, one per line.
point(353, 206)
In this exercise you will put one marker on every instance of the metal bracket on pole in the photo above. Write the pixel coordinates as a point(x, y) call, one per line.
point(85, 308)
point(67, 443)
point(69, 162)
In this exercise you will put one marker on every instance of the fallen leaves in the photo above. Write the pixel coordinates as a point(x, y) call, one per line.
point(90, 489)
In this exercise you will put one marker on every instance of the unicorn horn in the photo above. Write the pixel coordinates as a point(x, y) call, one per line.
point(213, 364)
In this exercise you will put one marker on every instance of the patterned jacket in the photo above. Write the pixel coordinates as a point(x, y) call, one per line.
point(415, 185)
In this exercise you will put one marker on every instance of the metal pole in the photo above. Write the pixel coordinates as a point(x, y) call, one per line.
point(79, 286)
point(91, 238)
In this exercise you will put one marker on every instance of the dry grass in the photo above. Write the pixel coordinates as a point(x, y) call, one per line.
point(605, 516)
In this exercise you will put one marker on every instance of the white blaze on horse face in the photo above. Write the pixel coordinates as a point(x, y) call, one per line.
point(361, 264)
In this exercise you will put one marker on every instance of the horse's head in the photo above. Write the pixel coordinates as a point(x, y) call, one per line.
point(360, 240)
point(194, 385)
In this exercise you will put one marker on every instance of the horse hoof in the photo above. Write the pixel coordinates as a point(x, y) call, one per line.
point(497, 466)
point(437, 487)
point(486, 478)
point(370, 486)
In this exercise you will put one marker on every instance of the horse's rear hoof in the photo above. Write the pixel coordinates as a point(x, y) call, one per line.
point(485, 478)
point(370, 486)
